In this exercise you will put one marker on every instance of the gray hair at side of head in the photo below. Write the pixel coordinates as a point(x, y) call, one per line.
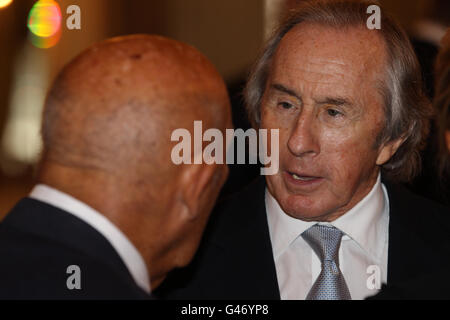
point(407, 109)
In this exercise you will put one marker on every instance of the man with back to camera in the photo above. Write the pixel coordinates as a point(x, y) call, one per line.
point(112, 214)
point(331, 224)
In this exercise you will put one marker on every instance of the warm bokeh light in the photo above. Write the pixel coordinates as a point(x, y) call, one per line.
point(5, 3)
point(47, 42)
point(45, 18)
point(20, 141)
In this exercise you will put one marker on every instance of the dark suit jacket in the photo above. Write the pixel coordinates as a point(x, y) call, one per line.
point(38, 242)
point(236, 259)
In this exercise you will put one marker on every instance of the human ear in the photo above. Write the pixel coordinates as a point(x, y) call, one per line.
point(388, 150)
point(195, 181)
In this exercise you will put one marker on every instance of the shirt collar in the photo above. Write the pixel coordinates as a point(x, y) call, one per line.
point(283, 229)
point(366, 223)
point(123, 246)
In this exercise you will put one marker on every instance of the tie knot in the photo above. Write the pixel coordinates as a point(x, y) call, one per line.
point(325, 242)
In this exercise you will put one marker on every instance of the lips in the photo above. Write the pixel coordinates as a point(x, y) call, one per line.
point(302, 179)
point(302, 176)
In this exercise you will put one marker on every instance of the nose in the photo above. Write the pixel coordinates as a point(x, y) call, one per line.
point(303, 140)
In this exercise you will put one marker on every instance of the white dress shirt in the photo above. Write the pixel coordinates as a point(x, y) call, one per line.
point(364, 244)
point(119, 241)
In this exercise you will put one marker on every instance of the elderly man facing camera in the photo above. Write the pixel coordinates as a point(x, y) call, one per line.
point(349, 105)
point(112, 215)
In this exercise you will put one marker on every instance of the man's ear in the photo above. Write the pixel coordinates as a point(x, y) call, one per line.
point(388, 149)
point(195, 178)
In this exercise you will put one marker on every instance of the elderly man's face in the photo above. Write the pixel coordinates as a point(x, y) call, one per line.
point(323, 95)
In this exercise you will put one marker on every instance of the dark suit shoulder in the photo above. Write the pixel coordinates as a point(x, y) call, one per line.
point(238, 212)
point(418, 212)
point(419, 248)
point(36, 263)
point(419, 241)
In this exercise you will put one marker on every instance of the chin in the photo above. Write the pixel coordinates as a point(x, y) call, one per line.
point(303, 208)
point(185, 257)
point(305, 202)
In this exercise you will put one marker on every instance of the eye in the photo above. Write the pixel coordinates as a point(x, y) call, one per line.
point(333, 112)
point(285, 105)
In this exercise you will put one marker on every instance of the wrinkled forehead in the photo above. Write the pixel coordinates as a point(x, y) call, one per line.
point(356, 52)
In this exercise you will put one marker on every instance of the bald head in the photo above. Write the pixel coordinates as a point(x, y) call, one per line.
point(123, 97)
point(107, 129)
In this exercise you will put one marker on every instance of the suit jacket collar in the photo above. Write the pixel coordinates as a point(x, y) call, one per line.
point(43, 220)
point(129, 254)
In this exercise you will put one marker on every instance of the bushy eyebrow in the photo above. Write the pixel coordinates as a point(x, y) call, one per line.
point(336, 101)
point(283, 89)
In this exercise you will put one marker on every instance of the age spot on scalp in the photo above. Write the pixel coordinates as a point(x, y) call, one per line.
point(137, 56)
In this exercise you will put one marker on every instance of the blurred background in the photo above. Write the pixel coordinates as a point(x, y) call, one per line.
point(229, 32)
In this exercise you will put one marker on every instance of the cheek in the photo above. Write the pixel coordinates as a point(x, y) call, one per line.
point(348, 156)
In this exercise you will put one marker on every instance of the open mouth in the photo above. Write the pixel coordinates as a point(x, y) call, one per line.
point(302, 179)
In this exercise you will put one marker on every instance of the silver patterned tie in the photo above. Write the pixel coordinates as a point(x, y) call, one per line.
point(330, 285)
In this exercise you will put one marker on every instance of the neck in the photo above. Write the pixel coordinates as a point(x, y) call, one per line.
point(105, 193)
